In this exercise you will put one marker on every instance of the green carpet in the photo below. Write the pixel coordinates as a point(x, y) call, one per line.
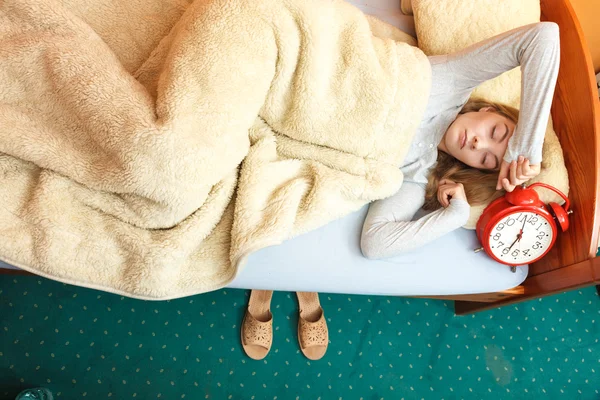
point(82, 343)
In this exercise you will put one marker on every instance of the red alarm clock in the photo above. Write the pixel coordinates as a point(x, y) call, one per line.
point(519, 228)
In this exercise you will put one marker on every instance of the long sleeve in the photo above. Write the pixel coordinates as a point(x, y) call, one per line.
point(536, 48)
point(389, 231)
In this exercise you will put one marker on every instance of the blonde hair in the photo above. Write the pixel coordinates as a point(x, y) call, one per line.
point(480, 185)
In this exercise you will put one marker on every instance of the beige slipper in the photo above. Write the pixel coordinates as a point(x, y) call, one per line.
point(257, 327)
point(312, 328)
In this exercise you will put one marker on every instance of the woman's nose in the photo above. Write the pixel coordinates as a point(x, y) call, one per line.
point(475, 143)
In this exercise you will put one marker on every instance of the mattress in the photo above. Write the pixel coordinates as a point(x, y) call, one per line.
point(329, 259)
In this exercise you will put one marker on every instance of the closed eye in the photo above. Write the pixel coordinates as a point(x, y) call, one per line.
point(505, 133)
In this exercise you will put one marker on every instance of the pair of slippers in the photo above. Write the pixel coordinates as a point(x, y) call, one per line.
point(257, 327)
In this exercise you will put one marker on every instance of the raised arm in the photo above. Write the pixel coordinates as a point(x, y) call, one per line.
point(536, 48)
point(389, 231)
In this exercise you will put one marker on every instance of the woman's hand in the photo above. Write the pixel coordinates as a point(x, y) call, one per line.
point(515, 173)
point(448, 189)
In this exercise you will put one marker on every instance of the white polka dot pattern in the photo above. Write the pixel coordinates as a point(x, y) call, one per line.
point(82, 343)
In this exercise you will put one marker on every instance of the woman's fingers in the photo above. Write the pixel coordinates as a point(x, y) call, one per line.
point(441, 198)
point(451, 191)
point(520, 168)
point(440, 192)
point(507, 185)
point(443, 192)
point(516, 173)
point(513, 173)
point(503, 173)
point(526, 170)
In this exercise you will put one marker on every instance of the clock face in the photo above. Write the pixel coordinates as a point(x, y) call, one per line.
point(521, 237)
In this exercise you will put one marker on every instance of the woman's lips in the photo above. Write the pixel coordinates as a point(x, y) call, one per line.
point(463, 139)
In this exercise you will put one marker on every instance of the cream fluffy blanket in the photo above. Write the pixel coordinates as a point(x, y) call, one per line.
point(148, 147)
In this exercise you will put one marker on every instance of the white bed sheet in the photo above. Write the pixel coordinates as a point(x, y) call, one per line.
point(329, 260)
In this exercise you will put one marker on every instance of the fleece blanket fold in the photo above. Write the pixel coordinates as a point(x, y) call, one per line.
point(148, 148)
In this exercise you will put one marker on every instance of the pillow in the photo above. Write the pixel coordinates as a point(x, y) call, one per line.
point(447, 26)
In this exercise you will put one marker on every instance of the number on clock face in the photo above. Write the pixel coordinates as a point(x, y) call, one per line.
point(520, 237)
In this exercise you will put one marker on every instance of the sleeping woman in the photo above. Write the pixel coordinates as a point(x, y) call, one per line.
point(466, 152)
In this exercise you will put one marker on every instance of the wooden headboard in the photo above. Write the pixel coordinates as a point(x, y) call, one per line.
point(576, 117)
point(576, 121)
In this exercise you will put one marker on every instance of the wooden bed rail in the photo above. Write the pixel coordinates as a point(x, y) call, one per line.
point(576, 117)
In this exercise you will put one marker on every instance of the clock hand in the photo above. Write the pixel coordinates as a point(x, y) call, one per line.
point(513, 243)
point(520, 235)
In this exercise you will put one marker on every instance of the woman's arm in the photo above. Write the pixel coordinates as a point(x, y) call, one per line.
point(389, 231)
point(536, 48)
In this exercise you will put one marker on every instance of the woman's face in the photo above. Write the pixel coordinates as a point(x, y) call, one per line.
point(479, 138)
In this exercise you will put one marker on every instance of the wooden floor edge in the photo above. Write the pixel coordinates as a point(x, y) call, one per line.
point(488, 297)
point(10, 271)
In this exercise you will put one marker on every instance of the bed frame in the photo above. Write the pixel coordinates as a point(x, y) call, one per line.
point(576, 116)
